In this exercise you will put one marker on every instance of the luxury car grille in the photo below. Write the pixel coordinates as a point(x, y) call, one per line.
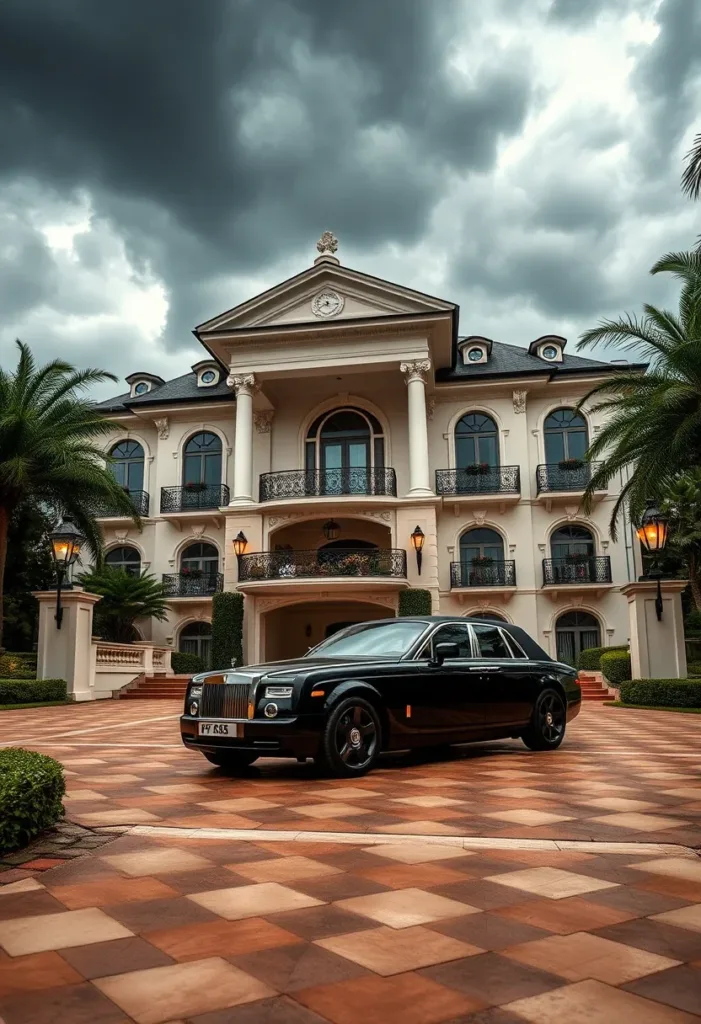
point(225, 700)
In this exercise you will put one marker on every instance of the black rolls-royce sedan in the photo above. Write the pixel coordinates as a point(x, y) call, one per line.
point(392, 684)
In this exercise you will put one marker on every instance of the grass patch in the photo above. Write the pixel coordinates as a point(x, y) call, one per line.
point(35, 704)
point(650, 707)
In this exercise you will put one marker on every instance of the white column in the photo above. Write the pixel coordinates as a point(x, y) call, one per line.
point(67, 653)
point(244, 387)
point(419, 474)
point(657, 649)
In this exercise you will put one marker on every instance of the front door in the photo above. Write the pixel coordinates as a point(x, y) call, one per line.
point(451, 695)
point(345, 463)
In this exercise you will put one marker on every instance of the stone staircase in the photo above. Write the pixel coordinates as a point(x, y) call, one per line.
point(158, 688)
point(593, 687)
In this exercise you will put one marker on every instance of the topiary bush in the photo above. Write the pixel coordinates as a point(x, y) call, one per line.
point(414, 602)
point(227, 629)
point(18, 666)
point(184, 663)
point(590, 660)
point(615, 666)
point(31, 792)
point(662, 693)
point(31, 691)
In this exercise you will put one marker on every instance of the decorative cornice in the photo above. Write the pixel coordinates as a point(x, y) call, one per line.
point(263, 420)
point(417, 370)
point(242, 384)
point(519, 399)
point(163, 428)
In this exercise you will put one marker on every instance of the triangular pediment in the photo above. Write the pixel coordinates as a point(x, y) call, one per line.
point(352, 295)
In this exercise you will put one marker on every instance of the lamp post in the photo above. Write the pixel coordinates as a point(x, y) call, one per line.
point(652, 534)
point(66, 542)
point(417, 539)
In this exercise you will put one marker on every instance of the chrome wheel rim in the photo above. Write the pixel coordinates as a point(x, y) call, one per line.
point(356, 737)
point(551, 714)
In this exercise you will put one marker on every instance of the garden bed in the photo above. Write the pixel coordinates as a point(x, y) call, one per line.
point(650, 707)
point(31, 794)
point(31, 692)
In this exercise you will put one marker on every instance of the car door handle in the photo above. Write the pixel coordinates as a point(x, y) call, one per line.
point(490, 668)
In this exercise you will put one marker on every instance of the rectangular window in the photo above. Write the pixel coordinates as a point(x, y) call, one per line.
point(450, 633)
point(490, 642)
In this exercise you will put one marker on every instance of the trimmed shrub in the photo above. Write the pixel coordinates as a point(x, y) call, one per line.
point(692, 623)
point(31, 790)
point(414, 602)
point(31, 691)
point(227, 630)
point(615, 666)
point(186, 664)
point(663, 693)
point(694, 668)
point(590, 660)
point(18, 666)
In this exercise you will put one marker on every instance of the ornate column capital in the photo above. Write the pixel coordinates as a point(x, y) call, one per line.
point(163, 427)
point(263, 420)
point(418, 370)
point(519, 400)
point(242, 383)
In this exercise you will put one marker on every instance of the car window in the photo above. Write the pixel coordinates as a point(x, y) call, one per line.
point(449, 633)
point(490, 642)
point(392, 639)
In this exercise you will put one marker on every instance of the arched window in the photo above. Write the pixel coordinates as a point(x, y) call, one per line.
point(481, 560)
point(476, 441)
point(345, 454)
point(199, 559)
point(576, 632)
point(128, 465)
point(491, 616)
point(565, 436)
point(202, 461)
point(196, 638)
point(481, 545)
point(573, 543)
point(125, 558)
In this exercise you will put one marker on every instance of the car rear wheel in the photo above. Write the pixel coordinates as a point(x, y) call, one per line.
point(547, 728)
point(231, 760)
point(350, 742)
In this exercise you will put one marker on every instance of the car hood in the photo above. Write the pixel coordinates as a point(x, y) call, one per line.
point(252, 673)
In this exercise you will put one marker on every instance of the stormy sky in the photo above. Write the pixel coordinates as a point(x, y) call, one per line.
point(162, 160)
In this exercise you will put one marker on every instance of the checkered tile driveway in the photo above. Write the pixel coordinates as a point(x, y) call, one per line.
point(168, 928)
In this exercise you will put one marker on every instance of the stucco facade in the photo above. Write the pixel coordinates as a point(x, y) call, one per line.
point(251, 444)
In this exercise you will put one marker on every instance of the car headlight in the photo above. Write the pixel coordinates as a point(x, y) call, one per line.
point(278, 691)
point(195, 692)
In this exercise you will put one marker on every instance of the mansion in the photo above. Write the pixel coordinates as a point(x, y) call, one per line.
point(340, 442)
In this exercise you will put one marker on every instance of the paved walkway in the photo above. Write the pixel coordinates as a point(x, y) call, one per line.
point(372, 901)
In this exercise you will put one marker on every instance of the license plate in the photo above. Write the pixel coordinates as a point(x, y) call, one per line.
point(231, 729)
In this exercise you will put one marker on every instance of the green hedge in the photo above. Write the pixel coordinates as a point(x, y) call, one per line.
point(185, 664)
point(680, 693)
point(31, 790)
point(18, 666)
point(415, 602)
point(615, 666)
point(693, 668)
point(590, 660)
point(227, 630)
point(31, 691)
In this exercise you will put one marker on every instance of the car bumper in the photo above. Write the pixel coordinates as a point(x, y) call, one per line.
point(294, 736)
point(574, 705)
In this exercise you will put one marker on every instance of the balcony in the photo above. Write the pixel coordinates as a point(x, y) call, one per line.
point(471, 574)
point(322, 483)
point(193, 583)
point(329, 570)
point(577, 573)
point(139, 499)
point(562, 480)
point(193, 498)
point(488, 484)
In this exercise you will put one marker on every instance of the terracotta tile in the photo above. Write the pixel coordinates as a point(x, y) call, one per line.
point(220, 938)
point(338, 887)
point(69, 1004)
point(639, 822)
point(282, 1010)
point(117, 957)
point(619, 803)
point(417, 853)
point(240, 803)
point(665, 939)
point(684, 917)
point(592, 1002)
point(528, 816)
point(685, 868)
point(58, 931)
point(41, 863)
point(157, 861)
point(36, 971)
point(483, 895)
point(388, 951)
point(565, 916)
point(113, 890)
point(429, 801)
point(639, 902)
point(493, 979)
point(28, 883)
point(420, 876)
point(489, 930)
point(29, 904)
point(252, 900)
point(160, 994)
point(687, 892)
point(679, 987)
point(151, 914)
point(319, 922)
point(580, 956)
point(284, 869)
point(123, 816)
point(402, 908)
point(291, 968)
point(409, 998)
point(329, 810)
point(553, 883)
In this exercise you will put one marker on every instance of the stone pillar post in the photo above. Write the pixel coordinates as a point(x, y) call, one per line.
point(67, 653)
point(244, 386)
point(419, 475)
point(656, 648)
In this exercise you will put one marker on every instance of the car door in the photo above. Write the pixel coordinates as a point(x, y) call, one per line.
point(451, 695)
point(507, 681)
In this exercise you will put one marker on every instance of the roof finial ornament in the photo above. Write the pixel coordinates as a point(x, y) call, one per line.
point(326, 247)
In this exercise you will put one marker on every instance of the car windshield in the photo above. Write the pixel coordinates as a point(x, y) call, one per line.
point(370, 640)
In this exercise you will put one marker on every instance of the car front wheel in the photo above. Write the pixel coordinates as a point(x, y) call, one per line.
point(350, 742)
point(547, 728)
point(231, 760)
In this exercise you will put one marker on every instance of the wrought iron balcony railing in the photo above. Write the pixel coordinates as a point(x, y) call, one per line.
point(281, 565)
point(315, 483)
point(483, 574)
point(568, 475)
point(479, 479)
point(576, 569)
point(139, 499)
point(192, 583)
point(191, 497)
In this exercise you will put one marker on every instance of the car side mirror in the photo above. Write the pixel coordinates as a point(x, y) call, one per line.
point(445, 651)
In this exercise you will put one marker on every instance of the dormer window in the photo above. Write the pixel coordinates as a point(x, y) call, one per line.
point(142, 387)
point(549, 352)
point(550, 348)
point(141, 383)
point(208, 373)
point(208, 377)
point(475, 350)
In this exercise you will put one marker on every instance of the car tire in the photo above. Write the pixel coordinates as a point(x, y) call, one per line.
point(350, 742)
point(547, 728)
point(231, 760)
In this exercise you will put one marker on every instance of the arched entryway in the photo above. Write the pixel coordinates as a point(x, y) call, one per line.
point(290, 631)
point(196, 638)
point(576, 631)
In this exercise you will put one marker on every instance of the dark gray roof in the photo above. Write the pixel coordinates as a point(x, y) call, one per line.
point(180, 389)
point(510, 360)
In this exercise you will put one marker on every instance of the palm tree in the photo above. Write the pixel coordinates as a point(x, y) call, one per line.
point(50, 452)
point(682, 505)
point(653, 429)
point(691, 178)
point(125, 598)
